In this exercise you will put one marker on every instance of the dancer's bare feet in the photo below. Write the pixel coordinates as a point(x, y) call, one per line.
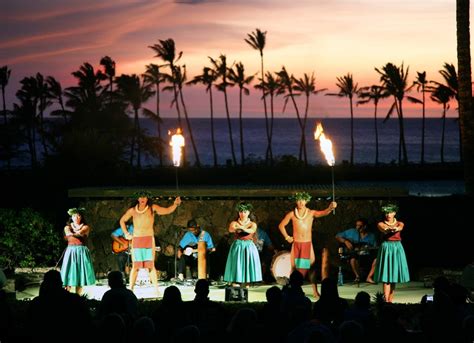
point(370, 280)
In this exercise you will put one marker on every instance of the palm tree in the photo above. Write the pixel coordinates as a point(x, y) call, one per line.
point(154, 77)
point(395, 81)
point(373, 93)
point(87, 98)
point(451, 81)
point(287, 84)
point(257, 41)
point(166, 50)
point(421, 83)
point(237, 76)
point(466, 114)
point(442, 95)
point(271, 87)
point(347, 88)
point(4, 78)
point(307, 86)
point(222, 71)
point(180, 79)
point(207, 78)
point(109, 70)
point(134, 93)
point(56, 92)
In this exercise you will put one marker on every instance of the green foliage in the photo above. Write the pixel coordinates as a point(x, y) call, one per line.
point(27, 240)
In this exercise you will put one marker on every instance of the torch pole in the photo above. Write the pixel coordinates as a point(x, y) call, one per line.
point(333, 192)
point(176, 179)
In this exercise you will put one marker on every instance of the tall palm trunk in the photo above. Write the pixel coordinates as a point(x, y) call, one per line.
point(229, 124)
point(352, 131)
point(213, 139)
point(443, 129)
point(303, 135)
point(402, 135)
point(188, 123)
point(241, 129)
point(466, 115)
point(268, 151)
point(423, 128)
point(158, 122)
point(134, 137)
point(4, 107)
point(376, 134)
point(42, 128)
point(270, 138)
point(300, 122)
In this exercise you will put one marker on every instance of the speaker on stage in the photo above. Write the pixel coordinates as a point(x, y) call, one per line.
point(236, 294)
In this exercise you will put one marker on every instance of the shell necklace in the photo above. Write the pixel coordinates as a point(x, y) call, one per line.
point(297, 215)
point(142, 211)
point(77, 227)
point(391, 224)
point(243, 223)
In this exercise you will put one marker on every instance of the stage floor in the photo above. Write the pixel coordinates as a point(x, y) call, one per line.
point(411, 292)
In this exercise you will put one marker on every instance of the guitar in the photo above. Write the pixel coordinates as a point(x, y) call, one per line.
point(117, 247)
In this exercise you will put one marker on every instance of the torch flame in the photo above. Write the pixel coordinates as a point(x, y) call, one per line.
point(325, 144)
point(176, 143)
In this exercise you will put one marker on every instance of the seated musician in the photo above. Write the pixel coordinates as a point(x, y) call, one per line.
point(359, 242)
point(120, 248)
point(188, 247)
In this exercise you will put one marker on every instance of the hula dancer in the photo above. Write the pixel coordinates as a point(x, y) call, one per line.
point(143, 239)
point(391, 267)
point(77, 270)
point(302, 253)
point(243, 262)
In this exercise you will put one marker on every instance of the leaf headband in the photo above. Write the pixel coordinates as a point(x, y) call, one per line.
point(244, 206)
point(389, 208)
point(76, 210)
point(301, 196)
point(142, 194)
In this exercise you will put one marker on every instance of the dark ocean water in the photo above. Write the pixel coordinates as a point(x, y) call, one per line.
point(287, 135)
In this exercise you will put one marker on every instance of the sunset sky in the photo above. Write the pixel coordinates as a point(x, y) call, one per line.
point(328, 37)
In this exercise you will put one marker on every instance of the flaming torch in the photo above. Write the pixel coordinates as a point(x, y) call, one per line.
point(325, 145)
point(177, 144)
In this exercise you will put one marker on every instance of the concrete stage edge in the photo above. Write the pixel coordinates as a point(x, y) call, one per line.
point(411, 292)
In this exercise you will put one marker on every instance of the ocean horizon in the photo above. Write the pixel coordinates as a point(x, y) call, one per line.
point(287, 135)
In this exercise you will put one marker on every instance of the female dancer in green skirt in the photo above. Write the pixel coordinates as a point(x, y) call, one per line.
point(77, 270)
point(243, 262)
point(391, 267)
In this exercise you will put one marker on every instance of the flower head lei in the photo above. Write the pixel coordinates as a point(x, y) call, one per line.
point(142, 194)
point(76, 210)
point(301, 196)
point(389, 208)
point(244, 206)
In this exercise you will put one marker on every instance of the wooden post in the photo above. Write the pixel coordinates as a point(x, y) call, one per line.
point(202, 262)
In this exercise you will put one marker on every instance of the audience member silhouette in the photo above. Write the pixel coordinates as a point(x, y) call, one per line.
point(118, 299)
point(296, 306)
point(243, 327)
point(55, 313)
point(143, 330)
point(112, 328)
point(169, 315)
point(329, 309)
point(209, 316)
point(361, 313)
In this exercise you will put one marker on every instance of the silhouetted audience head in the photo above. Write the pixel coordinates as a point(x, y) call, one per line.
point(202, 288)
point(143, 329)
point(362, 300)
point(351, 332)
point(51, 282)
point(112, 328)
point(115, 279)
point(296, 279)
point(172, 295)
point(189, 334)
point(329, 289)
point(441, 284)
point(273, 295)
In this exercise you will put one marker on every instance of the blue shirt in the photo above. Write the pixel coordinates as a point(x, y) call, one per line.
point(353, 236)
point(189, 239)
point(119, 232)
point(262, 239)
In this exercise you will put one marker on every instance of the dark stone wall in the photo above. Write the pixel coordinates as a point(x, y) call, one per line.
point(214, 216)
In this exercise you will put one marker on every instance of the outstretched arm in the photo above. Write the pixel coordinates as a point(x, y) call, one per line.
point(167, 210)
point(325, 212)
point(282, 227)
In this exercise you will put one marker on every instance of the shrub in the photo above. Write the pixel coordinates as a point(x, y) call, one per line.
point(27, 240)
